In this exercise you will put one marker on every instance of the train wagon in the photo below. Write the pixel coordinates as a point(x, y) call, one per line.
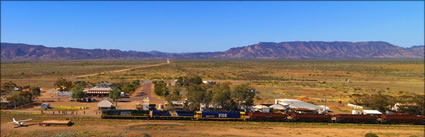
point(125, 114)
point(404, 118)
point(157, 114)
point(214, 115)
point(351, 118)
point(260, 116)
point(309, 117)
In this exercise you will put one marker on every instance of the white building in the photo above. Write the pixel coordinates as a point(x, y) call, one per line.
point(105, 104)
point(295, 104)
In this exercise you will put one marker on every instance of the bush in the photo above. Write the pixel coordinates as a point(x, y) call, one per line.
point(370, 135)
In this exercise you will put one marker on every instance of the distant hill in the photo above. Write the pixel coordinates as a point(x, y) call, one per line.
point(262, 50)
point(11, 51)
point(325, 50)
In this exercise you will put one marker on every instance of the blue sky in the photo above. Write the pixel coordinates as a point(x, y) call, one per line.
point(207, 25)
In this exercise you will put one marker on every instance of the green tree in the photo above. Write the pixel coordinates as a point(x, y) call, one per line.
point(160, 88)
point(35, 92)
point(84, 84)
point(21, 98)
point(196, 94)
point(379, 101)
point(243, 95)
point(195, 79)
point(115, 95)
point(8, 86)
point(78, 92)
point(189, 80)
point(135, 82)
point(222, 96)
point(173, 96)
point(412, 104)
point(63, 85)
point(129, 88)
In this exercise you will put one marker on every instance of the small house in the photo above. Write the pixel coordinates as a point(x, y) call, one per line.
point(105, 104)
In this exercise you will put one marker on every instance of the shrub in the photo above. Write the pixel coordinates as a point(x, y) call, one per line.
point(370, 135)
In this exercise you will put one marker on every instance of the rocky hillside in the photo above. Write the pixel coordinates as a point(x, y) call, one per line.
point(262, 50)
point(11, 51)
point(325, 50)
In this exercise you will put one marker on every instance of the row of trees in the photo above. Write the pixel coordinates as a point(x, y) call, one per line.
point(78, 88)
point(219, 96)
point(409, 103)
point(26, 95)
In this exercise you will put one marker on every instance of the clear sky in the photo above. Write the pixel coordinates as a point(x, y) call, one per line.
point(207, 25)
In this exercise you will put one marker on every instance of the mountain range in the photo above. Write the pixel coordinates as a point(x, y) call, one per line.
point(262, 50)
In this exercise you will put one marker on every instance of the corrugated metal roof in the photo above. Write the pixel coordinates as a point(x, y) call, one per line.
point(105, 103)
point(371, 112)
point(293, 103)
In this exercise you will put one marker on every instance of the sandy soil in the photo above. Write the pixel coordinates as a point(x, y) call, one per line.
point(209, 128)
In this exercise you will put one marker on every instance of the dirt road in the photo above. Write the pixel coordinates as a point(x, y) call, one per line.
point(146, 91)
point(117, 71)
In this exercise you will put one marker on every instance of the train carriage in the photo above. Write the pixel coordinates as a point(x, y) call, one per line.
point(260, 116)
point(351, 118)
point(404, 118)
point(309, 117)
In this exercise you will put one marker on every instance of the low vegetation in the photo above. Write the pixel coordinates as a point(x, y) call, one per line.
point(335, 81)
point(17, 95)
point(219, 97)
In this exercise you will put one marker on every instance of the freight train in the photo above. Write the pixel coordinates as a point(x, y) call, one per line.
point(259, 116)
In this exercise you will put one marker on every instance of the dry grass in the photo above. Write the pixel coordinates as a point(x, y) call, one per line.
point(315, 79)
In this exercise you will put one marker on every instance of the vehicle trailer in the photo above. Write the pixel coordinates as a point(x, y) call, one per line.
point(214, 115)
point(295, 117)
point(352, 118)
point(260, 116)
point(404, 118)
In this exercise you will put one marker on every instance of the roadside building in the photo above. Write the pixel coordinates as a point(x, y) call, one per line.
point(371, 112)
point(209, 82)
point(105, 104)
point(99, 91)
point(278, 108)
point(178, 105)
point(301, 106)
